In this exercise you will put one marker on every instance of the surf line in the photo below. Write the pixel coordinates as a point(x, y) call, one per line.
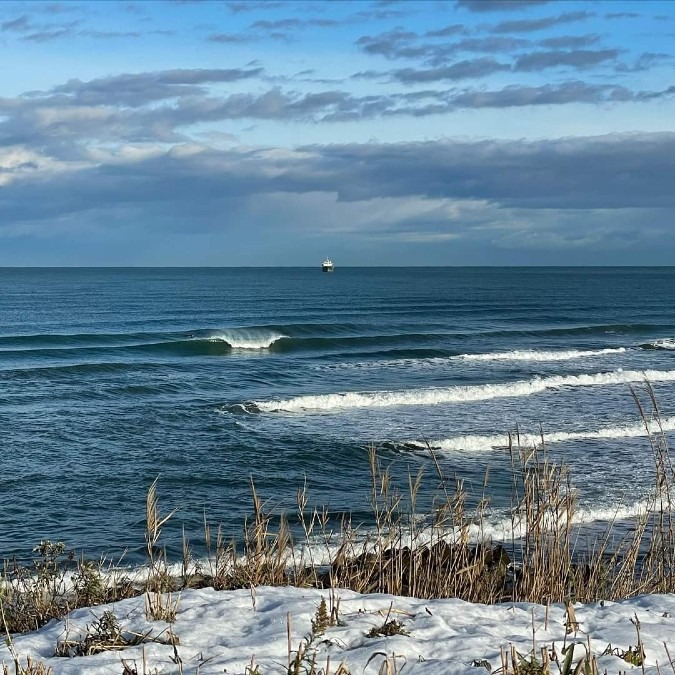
point(459, 393)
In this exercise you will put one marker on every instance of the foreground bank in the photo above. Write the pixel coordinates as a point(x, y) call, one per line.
point(280, 630)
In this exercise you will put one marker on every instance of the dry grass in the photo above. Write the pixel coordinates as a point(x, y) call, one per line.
point(53, 584)
point(540, 662)
point(304, 660)
point(106, 635)
point(32, 667)
point(159, 603)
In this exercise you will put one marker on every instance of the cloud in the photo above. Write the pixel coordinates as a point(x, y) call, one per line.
point(401, 44)
point(649, 95)
point(20, 24)
point(517, 196)
point(565, 93)
point(458, 71)
point(645, 61)
point(392, 44)
point(614, 171)
point(448, 31)
point(39, 32)
point(581, 58)
point(48, 35)
point(283, 27)
point(605, 172)
point(140, 89)
point(570, 41)
point(130, 109)
point(231, 38)
point(62, 8)
point(113, 35)
point(286, 24)
point(253, 6)
point(71, 119)
point(498, 5)
point(31, 31)
point(483, 44)
point(563, 51)
point(622, 15)
point(528, 25)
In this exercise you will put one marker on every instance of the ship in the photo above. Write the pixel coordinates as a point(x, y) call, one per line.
point(327, 265)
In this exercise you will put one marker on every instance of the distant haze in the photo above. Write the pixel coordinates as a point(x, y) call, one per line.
point(467, 132)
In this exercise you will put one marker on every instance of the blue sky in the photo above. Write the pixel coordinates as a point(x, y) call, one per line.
point(456, 132)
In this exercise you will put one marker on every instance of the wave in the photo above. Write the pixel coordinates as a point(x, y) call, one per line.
point(498, 525)
point(663, 343)
point(76, 369)
point(510, 528)
point(599, 329)
point(20, 345)
point(424, 360)
point(536, 355)
point(281, 338)
point(245, 338)
point(458, 393)
point(481, 443)
point(347, 339)
point(587, 514)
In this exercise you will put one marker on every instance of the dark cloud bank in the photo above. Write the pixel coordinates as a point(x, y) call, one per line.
point(611, 172)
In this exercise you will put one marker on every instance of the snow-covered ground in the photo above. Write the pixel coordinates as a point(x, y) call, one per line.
point(220, 632)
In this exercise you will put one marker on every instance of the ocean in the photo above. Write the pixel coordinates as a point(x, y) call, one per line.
point(207, 378)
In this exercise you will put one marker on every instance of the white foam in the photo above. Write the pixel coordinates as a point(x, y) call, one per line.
point(478, 443)
point(536, 355)
point(459, 394)
point(517, 355)
point(584, 514)
point(244, 338)
point(513, 527)
point(499, 525)
point(665, 343)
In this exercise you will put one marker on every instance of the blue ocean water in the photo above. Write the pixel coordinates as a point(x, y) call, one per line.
point(205, 378)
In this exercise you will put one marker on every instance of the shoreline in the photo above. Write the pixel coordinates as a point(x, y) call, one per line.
point(419, 591)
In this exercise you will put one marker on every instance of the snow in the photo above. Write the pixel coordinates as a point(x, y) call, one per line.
point(221, 631)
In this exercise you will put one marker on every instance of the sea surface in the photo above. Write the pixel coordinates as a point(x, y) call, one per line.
point(208, 378)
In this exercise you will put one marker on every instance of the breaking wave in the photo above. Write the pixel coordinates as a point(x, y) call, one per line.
point(459, 393)
point(509, 528)
point(535, 355)
point(242, 338)
point(435, 361)
point(664, 343)
point(481, 443)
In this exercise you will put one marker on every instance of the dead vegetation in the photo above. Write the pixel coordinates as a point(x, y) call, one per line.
point(105, 634)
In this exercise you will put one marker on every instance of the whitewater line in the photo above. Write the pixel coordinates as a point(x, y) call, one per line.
point(458, 393)
point(481, 443)
point(535, 355)
point(663, 343)
point(517, 355)
point(513, 527)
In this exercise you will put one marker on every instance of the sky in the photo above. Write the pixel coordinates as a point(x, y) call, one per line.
point(375, 132)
